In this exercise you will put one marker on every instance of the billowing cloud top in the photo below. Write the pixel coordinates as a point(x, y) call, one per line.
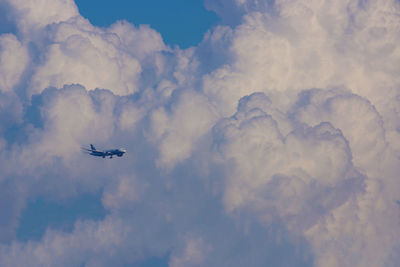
point(279, 134)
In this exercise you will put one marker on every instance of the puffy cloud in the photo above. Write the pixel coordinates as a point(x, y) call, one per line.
point(32, 15)
point(68, 49)
point(296, 48)
point(12, 201)
point(125, 192)
point(363, 231)
point(57, 248)
point(279, 175)
point(192, 254)
point(13, 59)
point(277, 135)
point(80, 53)
point(362, 117)
point(177, 131)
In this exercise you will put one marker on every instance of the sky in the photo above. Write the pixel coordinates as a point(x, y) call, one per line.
point(258, 133)
point(179, 22)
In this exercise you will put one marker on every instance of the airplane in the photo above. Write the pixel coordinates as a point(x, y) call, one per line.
point(119, 152)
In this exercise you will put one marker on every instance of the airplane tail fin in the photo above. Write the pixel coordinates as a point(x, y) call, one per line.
point(92, 147)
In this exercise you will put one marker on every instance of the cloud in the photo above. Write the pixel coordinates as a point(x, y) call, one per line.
point(80, 53)
point(30, 16)
point(192, 254)
point(178, 131)
point(362, 117)
point(56, 248)
point(280, 176)
point(277, 135)
point(13, 59)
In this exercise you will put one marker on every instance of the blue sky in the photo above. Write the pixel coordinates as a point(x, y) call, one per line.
point(181, 22)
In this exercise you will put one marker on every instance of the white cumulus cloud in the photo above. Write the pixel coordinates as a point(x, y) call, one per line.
point(277, 135)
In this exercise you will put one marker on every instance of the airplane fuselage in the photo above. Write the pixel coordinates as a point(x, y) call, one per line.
point(106, 153)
